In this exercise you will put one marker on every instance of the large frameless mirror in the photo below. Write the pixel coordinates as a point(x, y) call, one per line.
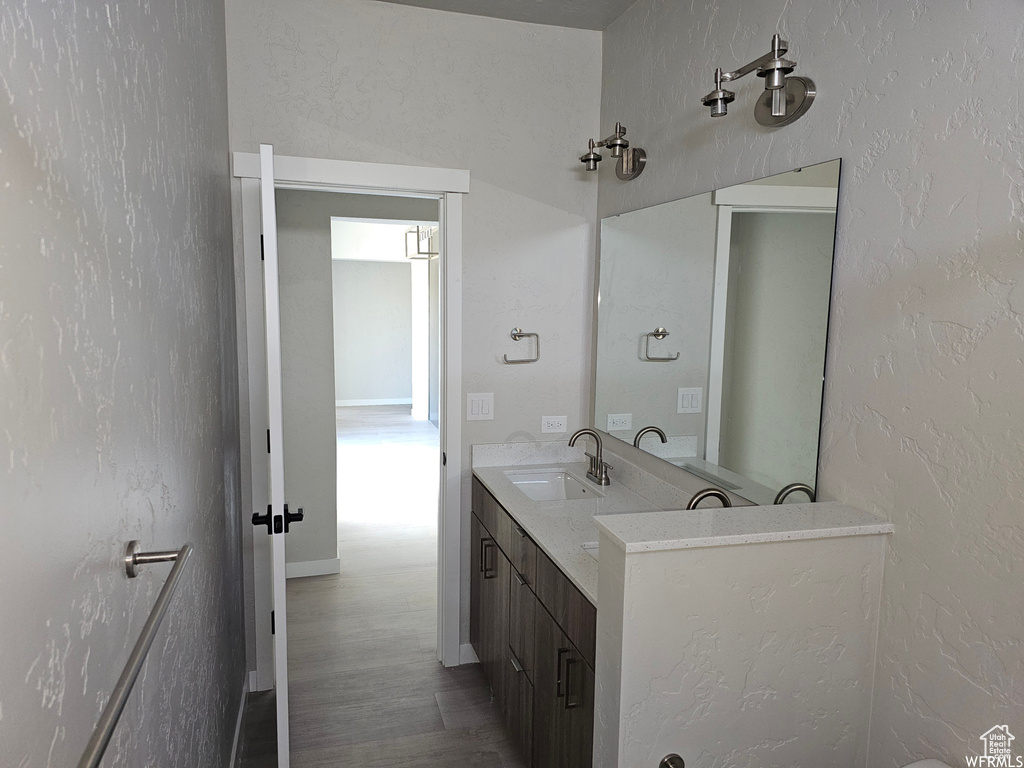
point(712, 324)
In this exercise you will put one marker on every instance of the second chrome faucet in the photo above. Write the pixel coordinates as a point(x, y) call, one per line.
point(598, 472)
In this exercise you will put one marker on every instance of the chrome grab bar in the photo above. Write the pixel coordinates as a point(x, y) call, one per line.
point(659, 333)
point(518, 335)
point(133, 558)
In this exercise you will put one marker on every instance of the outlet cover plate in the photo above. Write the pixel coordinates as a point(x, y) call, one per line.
point(618, 422)
point(553, 424)
point(480, 406)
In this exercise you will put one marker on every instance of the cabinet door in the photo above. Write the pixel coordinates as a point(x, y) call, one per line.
point(494, 616)
point(476, 577)
point(563, 707)
point(518, 707)
point(579, 702)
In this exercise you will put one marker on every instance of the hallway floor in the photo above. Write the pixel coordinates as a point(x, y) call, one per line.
point(366, 688)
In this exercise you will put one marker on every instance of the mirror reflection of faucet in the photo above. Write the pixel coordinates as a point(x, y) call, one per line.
point(792, 487)
point(707, 493)
point(598, 471)
point(644, 431)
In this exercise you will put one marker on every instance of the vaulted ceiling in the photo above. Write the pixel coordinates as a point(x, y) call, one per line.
point(582, 14)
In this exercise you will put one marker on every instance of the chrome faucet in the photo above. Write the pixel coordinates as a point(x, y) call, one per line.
point(644, 431)
point(699, 496)
point(791, 488)
point(598, 469)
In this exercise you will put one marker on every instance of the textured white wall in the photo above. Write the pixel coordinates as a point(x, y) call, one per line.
point(732, 656)
point(372, 330)
point(118, 392)
point(514, 103)
point(923, 417)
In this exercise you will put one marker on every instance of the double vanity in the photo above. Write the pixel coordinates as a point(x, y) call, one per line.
point(661, 605)
point(616, 627)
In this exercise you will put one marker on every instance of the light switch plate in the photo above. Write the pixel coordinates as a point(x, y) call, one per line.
point(690, 400)
point(553, 424)
point(618, 422)
point(480, 406)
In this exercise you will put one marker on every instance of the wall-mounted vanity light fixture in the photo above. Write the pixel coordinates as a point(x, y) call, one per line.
point(631, 160)
point(784, 100)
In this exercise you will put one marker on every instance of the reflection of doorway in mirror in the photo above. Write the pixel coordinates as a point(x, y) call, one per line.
point(780, 271)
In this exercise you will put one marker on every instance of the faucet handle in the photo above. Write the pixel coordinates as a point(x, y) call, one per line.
point(603, 474)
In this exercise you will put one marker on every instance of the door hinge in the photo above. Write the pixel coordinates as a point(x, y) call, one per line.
point(262, 252)
point(273, 627)
point(268, 441)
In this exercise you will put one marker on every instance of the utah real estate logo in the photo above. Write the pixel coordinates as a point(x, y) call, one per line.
point(998, 750)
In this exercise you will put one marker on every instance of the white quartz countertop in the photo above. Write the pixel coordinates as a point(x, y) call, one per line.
point(718, 526)
point(560, 528)
point(636, 524)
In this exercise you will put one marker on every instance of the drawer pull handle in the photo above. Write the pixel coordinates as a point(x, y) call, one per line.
point(520, 579)
point(490, 571)
point(559, 691)
point(571, 700)
point(483, 555)
point(515, 663)
point(520, 530)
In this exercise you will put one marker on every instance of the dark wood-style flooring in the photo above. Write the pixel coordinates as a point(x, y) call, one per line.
point(365, 686)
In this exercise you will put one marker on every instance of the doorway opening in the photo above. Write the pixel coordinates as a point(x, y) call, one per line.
point(311, 448)
point(386, 363)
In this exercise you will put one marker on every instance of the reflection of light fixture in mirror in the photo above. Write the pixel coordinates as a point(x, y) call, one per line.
point(417, 239)
point(784, 100)
point(631, 160)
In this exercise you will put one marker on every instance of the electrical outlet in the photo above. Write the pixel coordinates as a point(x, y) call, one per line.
point(552, 424)
point(617, 422)
point(480, 406)
point(689, 400)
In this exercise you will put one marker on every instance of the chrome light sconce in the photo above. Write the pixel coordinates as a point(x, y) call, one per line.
point(631, 160)
point(785, 99)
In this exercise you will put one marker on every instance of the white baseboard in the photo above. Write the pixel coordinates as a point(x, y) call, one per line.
point(238, 721)
point(378, 401)
point(312, 568)
point(467, 655)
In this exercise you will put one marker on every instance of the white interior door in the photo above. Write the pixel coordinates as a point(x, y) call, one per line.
point(276, 522)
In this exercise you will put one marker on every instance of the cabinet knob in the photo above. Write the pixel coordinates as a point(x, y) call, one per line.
point(672, 761)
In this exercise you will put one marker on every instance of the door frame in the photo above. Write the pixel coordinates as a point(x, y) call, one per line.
point(744, 198)
point(447, 186)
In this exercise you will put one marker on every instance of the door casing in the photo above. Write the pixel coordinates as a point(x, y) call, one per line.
point(447, 186)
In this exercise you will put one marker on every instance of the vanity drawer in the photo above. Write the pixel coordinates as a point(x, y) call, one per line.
point(522, 615)
point(493, 516)
point(522, 553)
point(574, 613)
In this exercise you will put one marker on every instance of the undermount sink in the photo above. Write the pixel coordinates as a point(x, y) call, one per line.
point(551, 485)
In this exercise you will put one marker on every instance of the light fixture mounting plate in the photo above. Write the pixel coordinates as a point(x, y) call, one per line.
point(638, 160)
point(800, 93)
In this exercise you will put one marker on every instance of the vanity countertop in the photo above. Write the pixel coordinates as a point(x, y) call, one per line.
point(636, 524)
point(560, 528)
point(718, 526)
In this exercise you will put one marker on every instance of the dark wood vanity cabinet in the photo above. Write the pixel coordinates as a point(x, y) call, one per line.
point(563, 734)
point(534, 633)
